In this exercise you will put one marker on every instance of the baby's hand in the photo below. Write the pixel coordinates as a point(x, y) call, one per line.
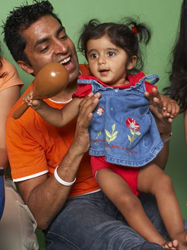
point(170, 108)
point(28, 98)
point(31, 100)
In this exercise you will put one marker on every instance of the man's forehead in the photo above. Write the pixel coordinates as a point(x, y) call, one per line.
point(47, 37)
point(45, 23)
point(42, 30)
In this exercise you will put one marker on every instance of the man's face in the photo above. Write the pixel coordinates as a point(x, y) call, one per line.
point(48, 42)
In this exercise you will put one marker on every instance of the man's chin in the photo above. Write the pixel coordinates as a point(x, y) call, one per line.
point(73, 76)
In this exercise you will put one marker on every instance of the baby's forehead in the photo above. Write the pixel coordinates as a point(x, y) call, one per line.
point(101, 42)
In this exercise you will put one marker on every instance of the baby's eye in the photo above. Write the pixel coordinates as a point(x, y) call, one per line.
point(111, 53)
point(94, 55)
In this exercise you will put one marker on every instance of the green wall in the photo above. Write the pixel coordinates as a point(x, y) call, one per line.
point(162, 16)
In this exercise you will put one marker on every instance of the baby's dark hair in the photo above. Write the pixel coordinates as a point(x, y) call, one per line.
point(21, 18)
point(126, 35)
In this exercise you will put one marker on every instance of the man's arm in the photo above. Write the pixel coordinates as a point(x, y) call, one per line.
point(164, 127)
point(157, 103)
point(45, 196)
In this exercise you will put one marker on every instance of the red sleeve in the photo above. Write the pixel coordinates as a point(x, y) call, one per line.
point(149, 87)
point(83, 90)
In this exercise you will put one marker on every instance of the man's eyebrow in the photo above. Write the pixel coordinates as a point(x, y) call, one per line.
point(61, 28)
point(42, 40)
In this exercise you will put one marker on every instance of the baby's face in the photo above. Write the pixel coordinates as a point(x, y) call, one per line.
point(107, 61)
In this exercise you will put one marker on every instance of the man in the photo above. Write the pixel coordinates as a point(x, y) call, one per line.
point(74, 214)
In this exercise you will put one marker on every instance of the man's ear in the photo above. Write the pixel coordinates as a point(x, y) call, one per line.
point(26, 67)
point(132, 62)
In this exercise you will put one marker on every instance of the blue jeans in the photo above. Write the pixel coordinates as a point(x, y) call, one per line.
point(92, 222)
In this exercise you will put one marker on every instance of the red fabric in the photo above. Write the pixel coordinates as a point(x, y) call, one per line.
point(130, 175)
point(85, 89)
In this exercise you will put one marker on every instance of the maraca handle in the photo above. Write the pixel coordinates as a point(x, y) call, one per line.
point(19, 112)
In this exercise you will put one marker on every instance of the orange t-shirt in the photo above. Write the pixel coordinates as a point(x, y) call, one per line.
point(11, 77)
point(36, 147)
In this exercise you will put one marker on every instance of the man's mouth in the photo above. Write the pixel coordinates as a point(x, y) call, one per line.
point(66, 61)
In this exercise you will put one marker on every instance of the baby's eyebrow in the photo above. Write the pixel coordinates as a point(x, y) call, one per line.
point(114, 49)
point(91, 50)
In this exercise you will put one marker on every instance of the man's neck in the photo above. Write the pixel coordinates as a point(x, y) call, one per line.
point(66, 94)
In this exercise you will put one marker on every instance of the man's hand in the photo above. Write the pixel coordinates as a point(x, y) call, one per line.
point(171, 108)
point(158, 106)
point(163, 104)
point(82, 138)
point(162, 118)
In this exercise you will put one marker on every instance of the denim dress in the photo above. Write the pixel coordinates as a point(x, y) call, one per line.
point(123, 128)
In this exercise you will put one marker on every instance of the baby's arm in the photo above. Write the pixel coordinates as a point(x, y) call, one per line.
point(56, 117)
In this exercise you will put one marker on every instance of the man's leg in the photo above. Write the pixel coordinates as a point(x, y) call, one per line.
point(91, 222)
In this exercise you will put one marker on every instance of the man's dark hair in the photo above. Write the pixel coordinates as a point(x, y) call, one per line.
point(21, 18)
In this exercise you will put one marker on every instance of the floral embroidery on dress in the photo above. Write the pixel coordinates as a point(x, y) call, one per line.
point(98, 134)
point(113, 135)
point(100, 111)
point(134, 127)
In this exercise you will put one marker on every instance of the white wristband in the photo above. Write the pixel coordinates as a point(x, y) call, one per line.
point(65, 183)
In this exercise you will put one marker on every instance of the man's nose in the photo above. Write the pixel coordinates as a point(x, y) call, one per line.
point(60, 47)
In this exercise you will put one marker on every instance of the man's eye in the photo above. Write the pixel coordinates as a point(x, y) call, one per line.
point(63, 37)
point(44, 49)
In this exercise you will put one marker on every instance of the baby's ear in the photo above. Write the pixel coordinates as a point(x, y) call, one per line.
point(132, 62)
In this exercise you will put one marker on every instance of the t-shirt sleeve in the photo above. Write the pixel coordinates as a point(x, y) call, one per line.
point(149, 87)
point(11, 77)
point(26, 156)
